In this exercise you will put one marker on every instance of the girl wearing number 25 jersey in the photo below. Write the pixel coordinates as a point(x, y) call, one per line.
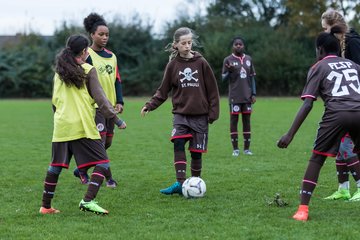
point(336, 81)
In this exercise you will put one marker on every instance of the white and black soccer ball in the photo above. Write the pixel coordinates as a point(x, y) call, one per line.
point(194, 187)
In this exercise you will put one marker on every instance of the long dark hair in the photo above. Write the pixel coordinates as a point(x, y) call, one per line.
point(69, 70)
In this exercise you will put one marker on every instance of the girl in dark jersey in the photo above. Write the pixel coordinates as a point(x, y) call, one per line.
point(350, 49)
point(336, 81)
point(76, 90)
point(195, 100)
point(239, 70)
point(105, 63)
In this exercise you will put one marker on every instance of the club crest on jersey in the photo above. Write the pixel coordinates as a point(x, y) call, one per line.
point(248, 63)
point(188, 75)
point(243, 73)
point(100, 127)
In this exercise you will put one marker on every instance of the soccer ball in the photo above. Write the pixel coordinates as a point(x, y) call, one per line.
point(194, 187)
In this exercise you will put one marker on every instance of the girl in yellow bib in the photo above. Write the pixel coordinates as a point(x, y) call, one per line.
point(105, 63)
point(76, 91)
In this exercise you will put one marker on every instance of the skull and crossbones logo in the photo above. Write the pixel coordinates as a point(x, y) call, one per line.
point(188, 75)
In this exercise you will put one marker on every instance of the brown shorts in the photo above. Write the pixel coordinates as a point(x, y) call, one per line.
point(193, 128)
point(87, 152)
point(104, 125)
point(333, 126)
point(240, 108)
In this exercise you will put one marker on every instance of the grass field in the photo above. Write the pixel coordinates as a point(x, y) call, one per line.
point(234, 207)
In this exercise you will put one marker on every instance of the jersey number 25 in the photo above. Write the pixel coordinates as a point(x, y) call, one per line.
point(350, 76)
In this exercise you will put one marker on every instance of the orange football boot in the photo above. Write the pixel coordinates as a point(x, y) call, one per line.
point(48, 210)
point(302, 213)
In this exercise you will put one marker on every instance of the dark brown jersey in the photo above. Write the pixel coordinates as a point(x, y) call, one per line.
point(336, 81)
point(193, 85)
point(240, 85)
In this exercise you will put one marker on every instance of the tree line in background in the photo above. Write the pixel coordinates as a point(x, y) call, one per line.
point(279, 35)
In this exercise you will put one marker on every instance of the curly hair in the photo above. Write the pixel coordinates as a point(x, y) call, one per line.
point(92, 21)
point(69, 70)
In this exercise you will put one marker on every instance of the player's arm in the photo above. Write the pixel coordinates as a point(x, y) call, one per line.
point(212, 92)
point(252, 83)
point(225, 76)
point(119, 107)
point(253, 89)
point(225, 71)
point(160, 95)
point(299, 119)
point(97, 93)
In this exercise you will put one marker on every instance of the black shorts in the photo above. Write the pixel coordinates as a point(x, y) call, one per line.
point(193, 128)
point(333, 126)
point(87, 152)
point(105, 126)
point(240, 108)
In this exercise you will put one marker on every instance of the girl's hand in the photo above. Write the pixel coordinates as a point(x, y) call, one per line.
point(284, 141)
point(230, 67)
point(119, 108)
point(144, 111)
point(253, 99)
point(123, 125)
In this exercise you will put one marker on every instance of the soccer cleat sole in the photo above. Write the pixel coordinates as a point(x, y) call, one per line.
point(84, 209)
point(165, 193)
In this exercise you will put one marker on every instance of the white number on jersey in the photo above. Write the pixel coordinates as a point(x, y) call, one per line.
point(351, 76)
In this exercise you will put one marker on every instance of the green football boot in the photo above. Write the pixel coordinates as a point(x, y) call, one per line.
point(356, 196)
point(92, 206)
point(342, 193)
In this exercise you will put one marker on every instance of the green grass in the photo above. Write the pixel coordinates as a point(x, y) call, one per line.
point(235, 205)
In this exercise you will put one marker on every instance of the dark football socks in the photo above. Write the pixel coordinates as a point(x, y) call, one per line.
point(246, 136)
point(354, 168)
point(180, 165)
point(50, 182)
point(234, 140)
point(342, 171)
point(234, 118)
point(196, 164)
point(246, 130)
point(309, 182)
point(97, 178)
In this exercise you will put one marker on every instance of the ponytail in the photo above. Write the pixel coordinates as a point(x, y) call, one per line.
point(67, 66)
